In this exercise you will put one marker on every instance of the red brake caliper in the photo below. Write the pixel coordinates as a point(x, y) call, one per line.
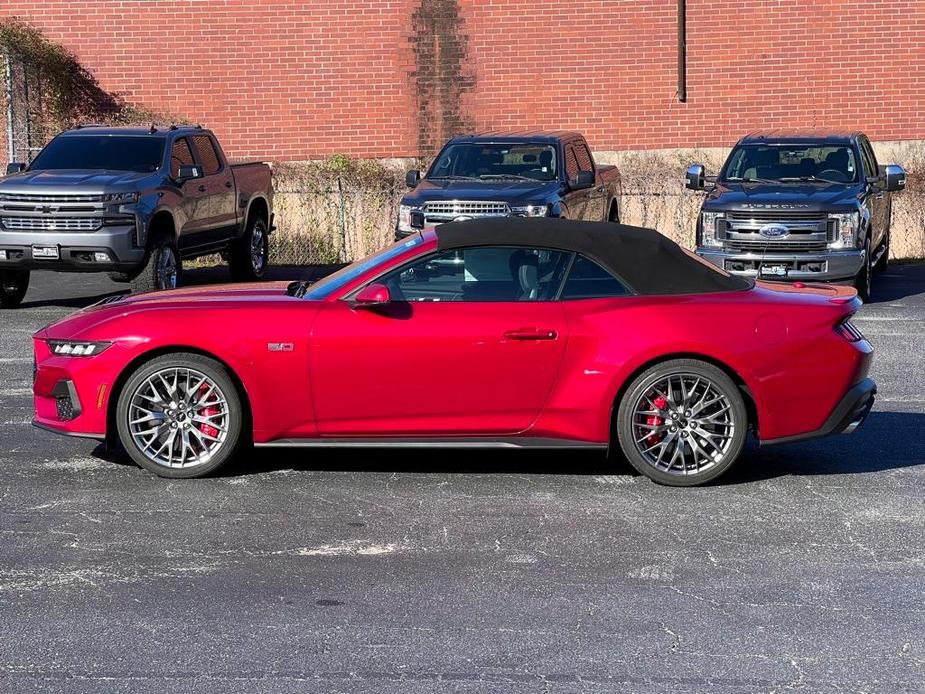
point(654, 420)
point(208, 411)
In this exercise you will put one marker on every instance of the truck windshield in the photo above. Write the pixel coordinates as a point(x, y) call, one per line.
point(529, 161)
point(826, 163)
point(106, 152)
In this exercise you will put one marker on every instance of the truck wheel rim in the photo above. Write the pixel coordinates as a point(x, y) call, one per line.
point(258, 248)
point(166, 269)
point(683, 424)
point(178, 418)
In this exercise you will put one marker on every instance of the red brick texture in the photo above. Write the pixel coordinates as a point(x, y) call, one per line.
point(378, 78)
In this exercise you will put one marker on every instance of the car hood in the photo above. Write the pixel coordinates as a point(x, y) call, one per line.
point(72, 181)
point(220, 296)
point(806, 197)
point(511, 192)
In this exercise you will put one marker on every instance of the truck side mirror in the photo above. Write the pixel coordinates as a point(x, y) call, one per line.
point(412, 178)
point(584, 180)
point(895, 177)
point(189, 171)
point(15, 167)
point(695, 178)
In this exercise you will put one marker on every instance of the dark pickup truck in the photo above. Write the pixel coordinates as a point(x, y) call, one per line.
point(801, 205)
point(134, 202)
point(524, 174)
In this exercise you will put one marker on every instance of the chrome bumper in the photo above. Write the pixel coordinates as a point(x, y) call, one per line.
point(830, 266)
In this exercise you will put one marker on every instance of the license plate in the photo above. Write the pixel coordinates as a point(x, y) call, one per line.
point(45, 252)
point(774, 270)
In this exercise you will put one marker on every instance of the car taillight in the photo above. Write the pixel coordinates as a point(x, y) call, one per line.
point(848, 330)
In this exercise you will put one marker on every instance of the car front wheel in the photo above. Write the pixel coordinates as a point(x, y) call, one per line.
point(682, 422)
point(179, 415)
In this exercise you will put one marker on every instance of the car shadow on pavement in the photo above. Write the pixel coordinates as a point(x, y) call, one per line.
point(873, 448)
point(898, 281)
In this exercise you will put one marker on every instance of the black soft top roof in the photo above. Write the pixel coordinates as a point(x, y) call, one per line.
point(646, 261)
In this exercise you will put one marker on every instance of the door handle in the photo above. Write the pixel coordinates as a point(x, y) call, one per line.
point(531, 334)
point(202, 189)
point(228, 184)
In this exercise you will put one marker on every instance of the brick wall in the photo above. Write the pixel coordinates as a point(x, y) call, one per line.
point(380, 78)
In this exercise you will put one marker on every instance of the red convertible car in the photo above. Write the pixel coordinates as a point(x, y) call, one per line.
point(479, 334)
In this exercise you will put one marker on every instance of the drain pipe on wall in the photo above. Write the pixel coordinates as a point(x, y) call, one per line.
point(682, 50)
point(10, 154)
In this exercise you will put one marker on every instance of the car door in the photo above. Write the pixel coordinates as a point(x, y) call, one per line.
point(192, 208)
point(217, 190)
point(575, 200)
point(877, 195)
point(594, 197)
point(470, 344)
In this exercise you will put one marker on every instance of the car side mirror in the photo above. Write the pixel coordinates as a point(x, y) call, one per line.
point(374, 294)
point(695, 177)
point(15, 167)
point(188, 172)
point(412, 178)
point(894, 176)
point(584, 180)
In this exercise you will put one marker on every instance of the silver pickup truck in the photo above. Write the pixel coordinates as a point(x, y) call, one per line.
point(134, 202)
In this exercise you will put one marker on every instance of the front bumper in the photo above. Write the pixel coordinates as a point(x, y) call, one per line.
point(75, 250)
point(831, 266)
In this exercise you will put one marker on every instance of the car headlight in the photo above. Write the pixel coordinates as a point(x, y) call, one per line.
point(404, 218)
point(121, 198)
point(77, 348)
point(846, 229)
point(708, 223)
point(531, 211)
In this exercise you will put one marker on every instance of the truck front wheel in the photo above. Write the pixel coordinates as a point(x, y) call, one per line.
point(862, 281)
point(13, 286)
point(249, 255)
point(162, 269)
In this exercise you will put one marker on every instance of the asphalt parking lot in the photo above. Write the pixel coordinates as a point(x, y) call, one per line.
point(803, 569)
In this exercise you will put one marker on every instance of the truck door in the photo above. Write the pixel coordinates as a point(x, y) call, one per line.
point(594, 210)
point(219, 221)
point(877, 196)
point(575, 200)
point(191, 209)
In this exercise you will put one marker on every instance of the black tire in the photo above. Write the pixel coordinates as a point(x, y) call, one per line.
point(249, 256)
point(176, 419)
point(614, 214)
point(863, 280)
point(13, 287)
point(121, 277)
point(687, 431)
point(163, 268)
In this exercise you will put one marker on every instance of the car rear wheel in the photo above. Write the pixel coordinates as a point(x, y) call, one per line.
point(682, 422)
point(13, 287)
point(179, 416)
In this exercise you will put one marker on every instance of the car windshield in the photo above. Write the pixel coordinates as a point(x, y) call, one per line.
point(324, 288)
point(528, 161)
point(826, 163)
point(106, 152)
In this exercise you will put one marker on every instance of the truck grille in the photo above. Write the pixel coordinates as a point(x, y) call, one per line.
point(51, 223)
point(810, 232)
point(52, 199)
point(450, 209)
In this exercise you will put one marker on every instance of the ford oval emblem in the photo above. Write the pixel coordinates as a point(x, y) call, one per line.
point(774, 231)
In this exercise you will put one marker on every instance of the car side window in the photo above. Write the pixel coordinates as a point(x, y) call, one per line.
point(588, 280)
point(480, 274)
point(180, 155)
point(571, 164)
point(585, 163)
point(208, 157)
point(868, 158)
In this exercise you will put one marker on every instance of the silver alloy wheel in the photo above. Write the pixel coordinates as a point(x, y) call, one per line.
point(178, 417)
point(682, 424)
point(258, 248)
point(166, 268)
